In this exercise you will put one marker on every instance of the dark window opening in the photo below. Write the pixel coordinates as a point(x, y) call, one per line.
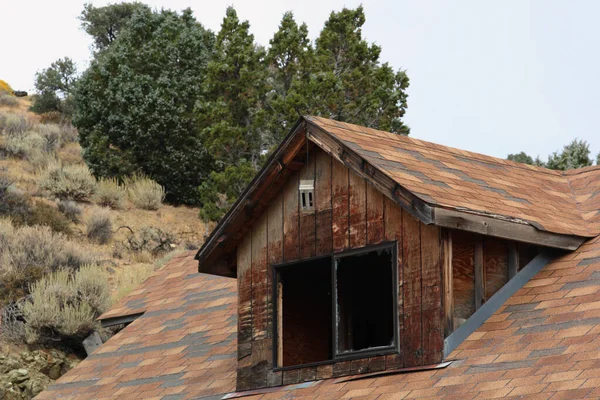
point(365, 301)
point(346, 301)
point(306, 312)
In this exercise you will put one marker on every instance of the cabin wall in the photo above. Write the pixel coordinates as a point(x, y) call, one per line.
point(349, 213)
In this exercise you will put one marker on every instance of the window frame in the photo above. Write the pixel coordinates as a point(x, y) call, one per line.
point(393, 348)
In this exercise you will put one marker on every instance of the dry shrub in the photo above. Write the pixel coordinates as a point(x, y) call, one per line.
point(51, 117)
point(68, 133)
point(130, 278)
point(29, 252)
point(70, 154)
point(45, 214)
point(52, 135)
point(23, 144)
point(110, 194)
point(64, 305)
point(72, 182)
point(99, 226)
point(7, 100)
point(144, 192)
point(70, 209)
point(150, 240)
point(16, 124)
point(40, 159)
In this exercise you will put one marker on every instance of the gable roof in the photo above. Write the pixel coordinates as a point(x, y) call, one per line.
point(437, 184)
point(544, 341)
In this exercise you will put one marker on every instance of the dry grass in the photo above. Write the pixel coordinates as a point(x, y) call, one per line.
point(129, 268)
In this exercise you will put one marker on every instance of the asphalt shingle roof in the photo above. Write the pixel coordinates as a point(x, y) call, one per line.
point(543, 343)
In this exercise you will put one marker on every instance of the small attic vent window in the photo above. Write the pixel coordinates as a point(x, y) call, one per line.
point(307, 194)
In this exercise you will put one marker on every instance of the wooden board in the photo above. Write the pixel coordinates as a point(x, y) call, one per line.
point(463, 276)
point(479, 273)
point(495, 255)
point(339, 179)
point(244, 262)
point(308, 218)
point(448, 290)
point(413, 334)
point(375, 215)
point(291, 236)
point(431, 306)
point(274, 251)
point(393, 232)
point(324, 233)
point(357, 193)
point(259, 278)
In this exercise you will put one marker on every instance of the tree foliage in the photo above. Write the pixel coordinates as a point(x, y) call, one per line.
point(55, 86)
point(200, 113)
point(574, 155)
point(338, 77)
point(136, 103)
point(104, 24)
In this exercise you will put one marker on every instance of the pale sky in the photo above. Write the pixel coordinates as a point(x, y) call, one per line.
point(493, 77)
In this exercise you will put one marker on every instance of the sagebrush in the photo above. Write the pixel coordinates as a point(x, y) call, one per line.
point(99, 226)
point(144, 192)
point(109, 193)
point(71, 182)
point(64, 305)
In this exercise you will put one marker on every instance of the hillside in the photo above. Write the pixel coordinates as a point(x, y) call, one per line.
point(47, 226)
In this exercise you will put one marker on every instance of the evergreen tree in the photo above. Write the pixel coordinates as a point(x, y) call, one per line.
point(349, 84)
point(232, 114)
point(55, 85)
point(104, 24)
point(574, 155)
point(289, 59)
point(521, 157)
point(135, 103)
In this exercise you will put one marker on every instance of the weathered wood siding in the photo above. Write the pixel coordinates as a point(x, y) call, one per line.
point(349, 213)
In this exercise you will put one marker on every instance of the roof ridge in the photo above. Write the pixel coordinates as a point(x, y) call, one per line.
point(446, 149)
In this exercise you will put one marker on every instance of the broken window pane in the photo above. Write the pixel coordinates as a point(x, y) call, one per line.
point(365, 301)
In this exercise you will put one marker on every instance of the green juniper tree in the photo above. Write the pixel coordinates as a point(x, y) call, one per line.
point(104, 24)
point(136, 103)
point(232, 114)
point(55, 86)
point(574, 155)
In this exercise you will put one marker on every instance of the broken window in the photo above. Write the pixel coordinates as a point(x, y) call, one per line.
point(336, 307)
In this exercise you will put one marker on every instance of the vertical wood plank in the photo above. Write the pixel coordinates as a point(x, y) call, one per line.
point(448, 290)
point(291, 235)
point(431, 303)
point(375, 215)
point(308, 218)
point(244, 263)
point(479, 273)
point(495, 265)
point(357, 193)
point(411, 249)
point(339, 178)
point(259, 278)
point(274, 249)
point(513, 259)
point(279, 324)
point(324, 233)
point(393, 231)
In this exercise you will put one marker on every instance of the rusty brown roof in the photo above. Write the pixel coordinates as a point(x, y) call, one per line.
point(470, 182)
point(543, 343)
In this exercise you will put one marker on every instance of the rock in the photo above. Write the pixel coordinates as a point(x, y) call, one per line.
point(17, 375)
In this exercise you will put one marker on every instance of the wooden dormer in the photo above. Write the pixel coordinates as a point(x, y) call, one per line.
point(370, 278)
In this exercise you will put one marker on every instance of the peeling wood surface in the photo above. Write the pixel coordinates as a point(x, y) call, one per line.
point(340, 206)
point(291, 236)
point(308, 218)
point(495, 254)
point(375, 215)
point(412, 343)
point(431, 301)
point(323, 203)
point(259, 278)
point(357, 194)
point(245, 290)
